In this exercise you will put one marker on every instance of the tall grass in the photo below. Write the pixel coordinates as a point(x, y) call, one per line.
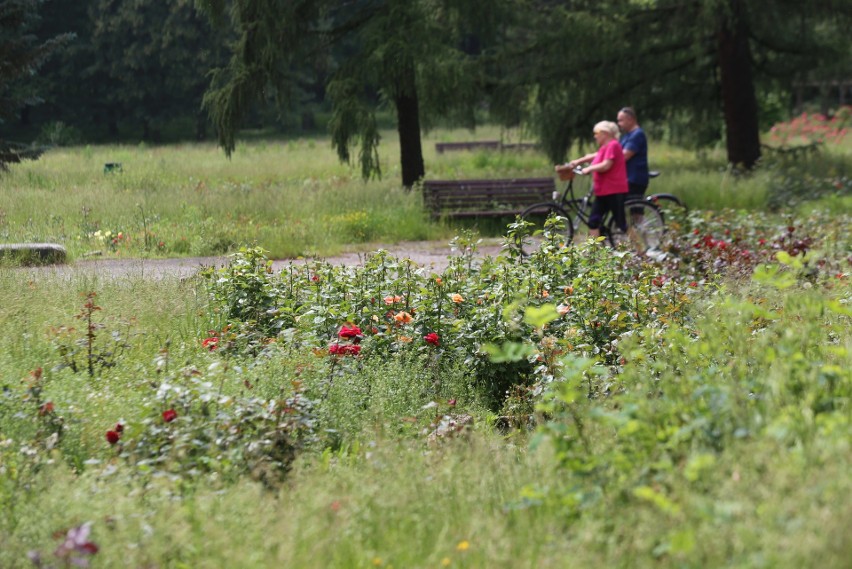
point(475, 503)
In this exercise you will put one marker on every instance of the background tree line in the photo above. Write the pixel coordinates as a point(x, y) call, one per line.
point(708, 69)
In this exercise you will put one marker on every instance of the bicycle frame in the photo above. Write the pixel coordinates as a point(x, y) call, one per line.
point(579, 206)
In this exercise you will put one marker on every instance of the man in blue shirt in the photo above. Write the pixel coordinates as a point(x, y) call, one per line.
point(635, 147)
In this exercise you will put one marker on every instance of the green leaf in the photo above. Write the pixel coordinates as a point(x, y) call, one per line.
point(697, 464)
point(648, 494)
point(772, 275)
point(838, 308)
point(538, 316)
point(682, 541)
point(508, 352)
point(786, 259)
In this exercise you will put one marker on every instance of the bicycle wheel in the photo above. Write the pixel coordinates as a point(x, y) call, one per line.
point(671, 207)
point(538, 215)
point(645, 227)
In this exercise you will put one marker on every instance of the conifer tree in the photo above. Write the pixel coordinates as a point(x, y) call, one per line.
point(20, 56)
point(405, 54)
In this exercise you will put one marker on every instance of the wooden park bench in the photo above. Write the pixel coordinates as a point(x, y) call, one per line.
point(441, 147)
point(485, 198)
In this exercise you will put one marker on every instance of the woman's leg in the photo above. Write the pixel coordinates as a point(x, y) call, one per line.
point(596, 216)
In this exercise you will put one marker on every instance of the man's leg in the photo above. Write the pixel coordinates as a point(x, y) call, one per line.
point(636, 213)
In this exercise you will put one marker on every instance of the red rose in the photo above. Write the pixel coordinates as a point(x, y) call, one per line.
point(169, 415)
point(432, 338)
point(350, 350)
point(344, 350)
point(112, 437)
point(349, 332)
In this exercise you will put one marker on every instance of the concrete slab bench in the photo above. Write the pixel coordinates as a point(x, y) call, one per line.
point(33, 253)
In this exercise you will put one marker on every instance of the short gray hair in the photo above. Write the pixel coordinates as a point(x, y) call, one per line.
point(606, 126)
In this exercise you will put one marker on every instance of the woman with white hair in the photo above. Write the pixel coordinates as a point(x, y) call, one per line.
point(610, 176)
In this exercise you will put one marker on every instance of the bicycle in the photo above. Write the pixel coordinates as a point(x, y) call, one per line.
point(645, 221)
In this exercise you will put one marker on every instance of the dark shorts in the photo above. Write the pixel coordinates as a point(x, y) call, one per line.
point(612, 203)
point(636, 189)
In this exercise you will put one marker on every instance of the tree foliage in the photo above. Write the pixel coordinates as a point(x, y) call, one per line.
point(708, 59)
point(407, 55)
point(21, 55)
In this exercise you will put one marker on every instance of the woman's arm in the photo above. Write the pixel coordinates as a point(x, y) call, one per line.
point(602, 166)
point(582, 160)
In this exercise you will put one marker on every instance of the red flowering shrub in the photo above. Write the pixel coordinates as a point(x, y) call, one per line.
point(227, 435)
point(814, 128)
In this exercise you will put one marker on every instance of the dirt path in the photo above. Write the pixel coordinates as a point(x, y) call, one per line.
point(432, 254)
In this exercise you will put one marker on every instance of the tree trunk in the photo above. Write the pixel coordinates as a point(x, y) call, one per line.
point(737, 84)
point(408, 126)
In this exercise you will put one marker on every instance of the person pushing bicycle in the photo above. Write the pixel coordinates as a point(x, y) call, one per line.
point(635, 147)
point(609, 172)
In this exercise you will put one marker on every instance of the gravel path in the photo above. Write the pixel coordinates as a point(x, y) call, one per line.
point(432, 254)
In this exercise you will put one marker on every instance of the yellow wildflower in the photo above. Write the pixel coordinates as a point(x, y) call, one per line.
point(463, 545)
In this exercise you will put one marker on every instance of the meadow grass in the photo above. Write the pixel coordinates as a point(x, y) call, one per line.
point(473, 503)
point(291, 197)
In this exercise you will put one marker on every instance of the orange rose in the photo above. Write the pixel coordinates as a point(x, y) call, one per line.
point(402, 317)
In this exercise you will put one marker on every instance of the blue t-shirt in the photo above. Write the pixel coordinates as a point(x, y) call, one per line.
point(637, 166)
